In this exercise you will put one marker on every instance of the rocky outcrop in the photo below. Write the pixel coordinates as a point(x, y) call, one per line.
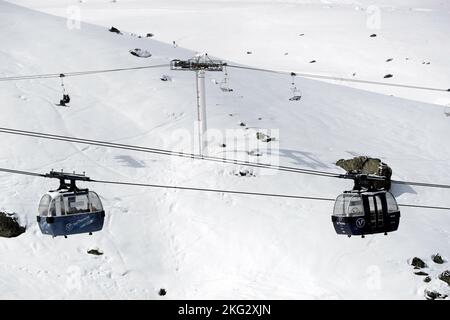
point(95, 252)
point(418, 263)
point(433, 295)
point(9, 226)
point(437, 258)
point(445, 276)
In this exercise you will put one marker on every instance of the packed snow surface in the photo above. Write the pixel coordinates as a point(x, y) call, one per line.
point(212, 245)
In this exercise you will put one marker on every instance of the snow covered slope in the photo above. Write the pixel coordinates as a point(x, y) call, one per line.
point(289, 34)
point(198, 245)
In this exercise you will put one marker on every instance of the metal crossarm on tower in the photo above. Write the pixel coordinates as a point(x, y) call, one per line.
point(197, 63)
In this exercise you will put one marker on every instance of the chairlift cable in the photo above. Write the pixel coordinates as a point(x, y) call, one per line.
point(198, 157)
point(326, 77)
point(162, 151)
point(123, 183)
point(78, 73)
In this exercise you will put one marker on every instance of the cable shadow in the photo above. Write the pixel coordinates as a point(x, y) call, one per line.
point(399, 189)
point(304, 159)
point(130, 161)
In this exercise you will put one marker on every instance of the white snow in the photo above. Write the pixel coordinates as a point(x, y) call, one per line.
point(200, 245)
point(336, 35)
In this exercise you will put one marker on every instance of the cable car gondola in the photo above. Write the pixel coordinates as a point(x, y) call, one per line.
point(69, 210)
point(365, 211)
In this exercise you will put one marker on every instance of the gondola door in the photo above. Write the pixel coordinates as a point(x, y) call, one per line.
point(378, 215)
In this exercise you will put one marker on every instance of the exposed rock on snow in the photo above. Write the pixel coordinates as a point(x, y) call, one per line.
point(95, 252)
point(115, 30)
point(162, 292)
point(165, 77)
point(434, 295)
point(245, 173)
point(264, 137)
point(255, 153)
point(140, 53)
point(445, 276)
point(366, 165)
point(418, 263)
point(437, 258)
point(9, 227)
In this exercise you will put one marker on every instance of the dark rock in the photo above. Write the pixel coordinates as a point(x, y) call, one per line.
point(249, 52)
point(388, 76)
point(115, 30)
point(263, 137)
point(313, 61)
point(242, 124)
point(420, 273)
point(95, 252)
point(433, 295)
point(417, 262)
point(437, 258)
point(373, 35)
point(301, 34)
point(245, 173)
point(366, 165)
point(427, 279)
point(445, 276)
point(149, 35)
point(140, 53)
point(165, 77)
point(389, 60)
point(162, 292)
point(255, 153)
point(223, 145)
point(9, 227)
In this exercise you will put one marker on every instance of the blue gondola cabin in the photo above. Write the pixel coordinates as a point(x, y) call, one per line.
point(65, 212)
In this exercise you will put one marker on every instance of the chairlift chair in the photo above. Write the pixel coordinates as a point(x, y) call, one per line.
point(296, 94)
point(224, 83)
point(65, 98)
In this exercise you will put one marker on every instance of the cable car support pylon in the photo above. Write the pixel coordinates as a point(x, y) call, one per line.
point(200, 64)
